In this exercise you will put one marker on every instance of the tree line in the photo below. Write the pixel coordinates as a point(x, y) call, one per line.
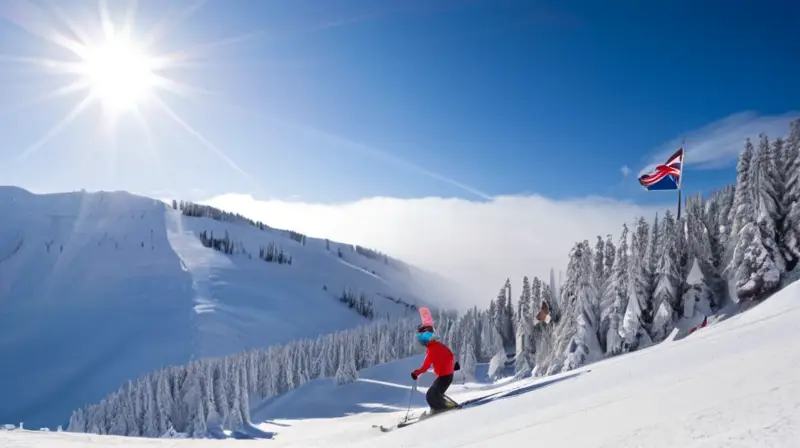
point(218, 392)
point(621, 297)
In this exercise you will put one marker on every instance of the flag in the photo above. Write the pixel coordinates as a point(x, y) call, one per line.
point(666, 176)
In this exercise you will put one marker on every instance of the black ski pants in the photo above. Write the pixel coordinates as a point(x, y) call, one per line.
point(435, 395)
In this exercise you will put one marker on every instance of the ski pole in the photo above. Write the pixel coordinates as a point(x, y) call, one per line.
point(410, 397)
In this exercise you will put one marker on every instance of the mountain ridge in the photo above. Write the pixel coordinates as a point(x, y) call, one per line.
point(134, 270)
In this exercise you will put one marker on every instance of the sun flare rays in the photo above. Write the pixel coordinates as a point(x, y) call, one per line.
point(108, 65)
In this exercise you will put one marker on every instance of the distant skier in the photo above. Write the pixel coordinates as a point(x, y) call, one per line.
point(444, 365)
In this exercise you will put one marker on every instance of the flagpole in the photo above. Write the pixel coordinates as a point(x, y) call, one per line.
point(680, 179)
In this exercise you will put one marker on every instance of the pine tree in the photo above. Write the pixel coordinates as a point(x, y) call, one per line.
point(574, 340)
point(525, 301)
point(654, 248)
point(607, 294)
point(669, 284)
point(504, 317)
point(537, 295)
point(756, 273)
point(724, 200)
point(469, 362)
point(609, 257)
point(583, 346)
point(346, 371)
point(616, 294)
point(770, 194)
point(710, 248)
point(552, 297)
point(567, 327)
point(685, 252)
point(510, 313)
point(639, 313)
point(742, 209)
point(599, 263)
point(524, 331)
point(791, 198)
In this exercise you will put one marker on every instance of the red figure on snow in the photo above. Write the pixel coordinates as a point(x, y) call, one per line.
point(444, 365)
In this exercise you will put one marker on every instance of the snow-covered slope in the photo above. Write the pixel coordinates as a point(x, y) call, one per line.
point(383, 388)
point(99, 288)
point(732, 384)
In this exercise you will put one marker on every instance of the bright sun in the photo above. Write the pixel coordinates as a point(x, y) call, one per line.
point(112, 65)
point(119, 74)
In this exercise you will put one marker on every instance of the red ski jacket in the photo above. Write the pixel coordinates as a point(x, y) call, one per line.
point(438, 355)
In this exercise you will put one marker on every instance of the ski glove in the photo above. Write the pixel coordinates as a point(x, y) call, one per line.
point(456, 367)
point(414, 375)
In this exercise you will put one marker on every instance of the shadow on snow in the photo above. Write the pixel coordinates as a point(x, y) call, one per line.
point(519, 391)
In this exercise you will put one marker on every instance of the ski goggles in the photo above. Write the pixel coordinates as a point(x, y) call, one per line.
point(425, 337)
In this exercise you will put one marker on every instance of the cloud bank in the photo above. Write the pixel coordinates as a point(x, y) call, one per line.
point(719, 143)
point(476, 244)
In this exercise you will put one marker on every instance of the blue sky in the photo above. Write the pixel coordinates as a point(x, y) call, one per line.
point(438, 132)
point(338, 101)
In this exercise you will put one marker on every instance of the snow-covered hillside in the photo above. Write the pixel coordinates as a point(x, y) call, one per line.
point(732, 384)
point(99, 288)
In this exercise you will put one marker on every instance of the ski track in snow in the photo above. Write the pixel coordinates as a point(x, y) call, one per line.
point(733, 384)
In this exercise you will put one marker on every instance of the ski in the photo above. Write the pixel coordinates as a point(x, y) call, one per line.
point(475, 401)
point(424, 416)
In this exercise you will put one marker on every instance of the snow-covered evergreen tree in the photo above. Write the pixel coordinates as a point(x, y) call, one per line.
point(607, 293)
point(525, 303)
point(654, 248)
point(743, 202)
point(609, 257)
point(724, 202)
point(616, 294)
point(638, 315)
point(554, 303)
point(575, 336)
point(599, 263)
point(669, 280)
point(523, 362)
point(504, 316)
point(791, 199)
point(756, 273)
point(583, 346)
point(756, 264)
point(707, 231)
point(468, 360)
point(769, 214)
point(347, 372)
point(567, 326)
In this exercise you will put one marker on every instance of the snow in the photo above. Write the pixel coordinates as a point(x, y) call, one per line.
point(731, 384)
point(100, 288)
point(695, 274)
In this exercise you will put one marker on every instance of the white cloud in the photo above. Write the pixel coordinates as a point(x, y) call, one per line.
point(719, 143)
point(625, 171)
point(477, 244)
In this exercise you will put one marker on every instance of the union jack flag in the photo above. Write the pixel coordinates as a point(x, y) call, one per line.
point(666, 176)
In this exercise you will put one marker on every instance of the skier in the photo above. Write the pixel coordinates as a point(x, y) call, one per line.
point(444, 365)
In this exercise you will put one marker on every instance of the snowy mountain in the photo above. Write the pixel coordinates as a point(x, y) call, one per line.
point(99, 288)
point(731, 384)
point(665, 280)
